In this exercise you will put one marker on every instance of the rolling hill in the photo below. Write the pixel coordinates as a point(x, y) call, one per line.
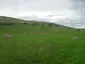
point(30, 25)
point(5, 20)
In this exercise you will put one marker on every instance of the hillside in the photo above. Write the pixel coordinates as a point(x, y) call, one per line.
point(4, 20)
point(31, 25)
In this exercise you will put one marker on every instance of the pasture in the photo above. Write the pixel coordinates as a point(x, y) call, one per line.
point(37, 45)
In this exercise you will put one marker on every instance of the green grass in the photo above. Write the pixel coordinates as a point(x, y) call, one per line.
point(41, 45)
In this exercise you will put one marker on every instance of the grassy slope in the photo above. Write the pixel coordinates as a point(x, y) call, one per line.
point(41, 45)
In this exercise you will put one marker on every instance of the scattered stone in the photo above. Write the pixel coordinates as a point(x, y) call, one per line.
point(8, 36)
point(75, 38)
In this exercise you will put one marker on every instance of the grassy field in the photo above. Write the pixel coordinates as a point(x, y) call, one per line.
point(41, 45)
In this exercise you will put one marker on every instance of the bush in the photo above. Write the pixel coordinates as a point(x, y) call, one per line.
point(78, 29)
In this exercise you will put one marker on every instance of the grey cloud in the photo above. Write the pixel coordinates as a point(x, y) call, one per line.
point(18, 6)
point(36, 5)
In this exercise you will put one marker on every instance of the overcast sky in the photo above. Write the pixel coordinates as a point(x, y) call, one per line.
point(18, 6)
point(52, 10)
